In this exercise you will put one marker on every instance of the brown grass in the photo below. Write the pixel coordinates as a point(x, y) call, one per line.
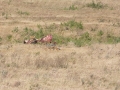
point(35, 67)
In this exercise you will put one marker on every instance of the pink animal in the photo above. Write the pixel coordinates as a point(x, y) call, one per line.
point(46, 39)
point(33, 40)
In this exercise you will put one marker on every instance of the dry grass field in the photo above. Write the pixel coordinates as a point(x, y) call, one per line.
point(86, 31)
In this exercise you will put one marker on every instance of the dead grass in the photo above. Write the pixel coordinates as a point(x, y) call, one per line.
point(35, 67)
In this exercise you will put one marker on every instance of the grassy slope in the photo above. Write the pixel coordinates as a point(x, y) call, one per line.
point(34, 67)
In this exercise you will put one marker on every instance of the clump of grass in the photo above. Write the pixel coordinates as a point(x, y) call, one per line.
point(15, 30)
point(60, 39)
point(27, 32)
point(39, 33)
point(98, 5)
point(9, 37)
point(5, 15)
point(23, 13)
point(73, 7)
point(74, 24)
point(0, 38)
point(51, 27)
point(35, 86)
point(112, 39)
point(100, 33)
point(85, 39)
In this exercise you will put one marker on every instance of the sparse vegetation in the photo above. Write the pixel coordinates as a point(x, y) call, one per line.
point(23, 13)
point(98, 5)
point(9, 2)
point(0, 38)
point(73, 7)
point(74, 24)
point(112, 39)
point(100, 33)
point(5, 15)
point(9, 37)
point(87, 41)
point(84, 39)
point(15, 30)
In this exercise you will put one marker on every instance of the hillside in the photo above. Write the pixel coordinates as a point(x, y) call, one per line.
point(86, 31)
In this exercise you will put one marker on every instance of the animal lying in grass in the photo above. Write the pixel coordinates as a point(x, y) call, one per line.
point(33, 40)
point(47, 40)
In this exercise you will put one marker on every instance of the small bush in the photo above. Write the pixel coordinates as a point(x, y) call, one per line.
point(98, 5)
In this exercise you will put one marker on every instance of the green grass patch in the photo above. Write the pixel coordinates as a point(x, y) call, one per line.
point(74, 24)
point(100, 33)
point(60, 39)
point(85, 39)
point(9, 37)
point(98, 5)
point(112, 39)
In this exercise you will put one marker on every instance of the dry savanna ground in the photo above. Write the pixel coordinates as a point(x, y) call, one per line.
point(86, 31)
